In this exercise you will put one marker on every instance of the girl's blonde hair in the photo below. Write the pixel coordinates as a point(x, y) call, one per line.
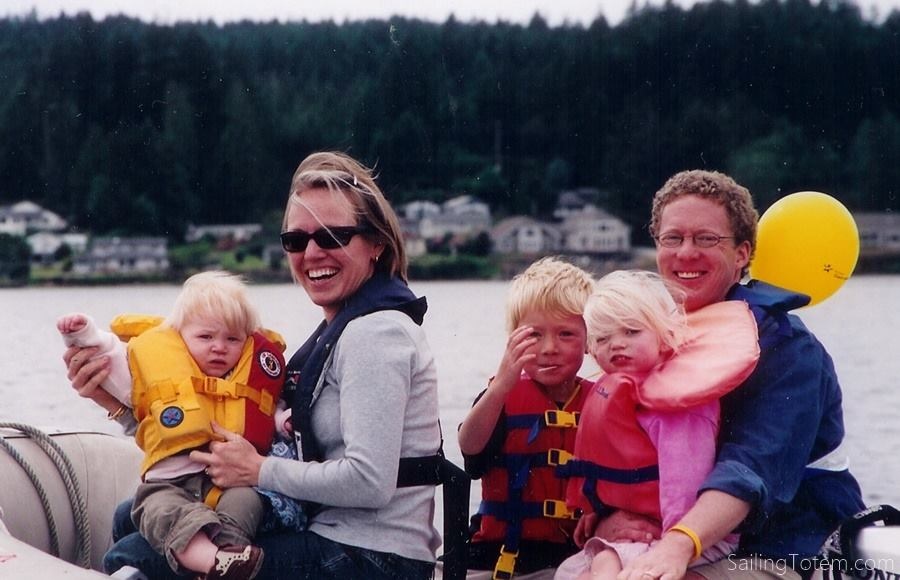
point(636, 299)
point(548, 285)
point(218, 295)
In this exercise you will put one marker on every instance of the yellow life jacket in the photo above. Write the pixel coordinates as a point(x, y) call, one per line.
point(174, 402)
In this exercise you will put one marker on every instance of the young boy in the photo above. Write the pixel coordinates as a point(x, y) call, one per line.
point(209, 361)
point(523, 425)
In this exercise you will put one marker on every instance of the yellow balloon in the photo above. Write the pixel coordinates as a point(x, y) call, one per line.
point(806, 242)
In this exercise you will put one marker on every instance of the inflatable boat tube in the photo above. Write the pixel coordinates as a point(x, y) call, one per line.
point(63, 492)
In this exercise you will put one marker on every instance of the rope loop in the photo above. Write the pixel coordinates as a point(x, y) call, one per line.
point(70, 481)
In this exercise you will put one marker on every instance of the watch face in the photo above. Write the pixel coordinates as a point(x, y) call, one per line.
point(171, 417)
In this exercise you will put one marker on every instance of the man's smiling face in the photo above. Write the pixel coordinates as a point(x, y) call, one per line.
point(705, 274)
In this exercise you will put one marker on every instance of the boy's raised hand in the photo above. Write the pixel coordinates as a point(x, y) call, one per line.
point(514, 359)
point(478, 425)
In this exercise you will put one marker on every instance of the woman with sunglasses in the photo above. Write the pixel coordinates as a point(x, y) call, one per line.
point(361, 394)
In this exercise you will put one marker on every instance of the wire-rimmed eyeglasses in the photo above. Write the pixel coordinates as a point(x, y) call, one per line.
point(705, 240)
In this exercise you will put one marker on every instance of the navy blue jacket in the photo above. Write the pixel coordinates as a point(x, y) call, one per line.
point(786, 415)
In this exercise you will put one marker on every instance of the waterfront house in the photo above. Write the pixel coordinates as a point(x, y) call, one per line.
point(115, 255)
point(463, 215)
point(595, 231)
point(573, 201)
point(24, 217)
point(45, 245)
point(238, 233)
point(879, 232)
point(525, 235)
point(415, 211)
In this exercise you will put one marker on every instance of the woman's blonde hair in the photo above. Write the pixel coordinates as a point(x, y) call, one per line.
point(218, 295)
point(548, 285)
point(338, 172)
point(635, 299)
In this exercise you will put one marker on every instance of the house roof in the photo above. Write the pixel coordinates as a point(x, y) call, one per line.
point(510, 224)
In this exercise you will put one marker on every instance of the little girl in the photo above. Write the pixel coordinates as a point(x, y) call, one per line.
point(630, 455)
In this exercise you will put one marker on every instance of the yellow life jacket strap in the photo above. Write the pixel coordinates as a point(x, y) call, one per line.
point(213, 496)
point(216, 387)
point(165, 391)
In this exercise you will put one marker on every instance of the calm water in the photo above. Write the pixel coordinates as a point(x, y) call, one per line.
point(465, 328)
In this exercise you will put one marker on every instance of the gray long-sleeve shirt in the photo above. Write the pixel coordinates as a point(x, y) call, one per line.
point(378, 403)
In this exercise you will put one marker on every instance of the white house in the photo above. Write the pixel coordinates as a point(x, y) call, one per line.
point(417, 210)
point(462, 215)
point(574, 201)
point(44, 245)
point(237, 232)
point(23, 217)
point(594, 231)
point(878, 231)
point(525, 235)
point(123, 256)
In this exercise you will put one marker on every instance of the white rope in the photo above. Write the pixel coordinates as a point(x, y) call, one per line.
point(70, 481)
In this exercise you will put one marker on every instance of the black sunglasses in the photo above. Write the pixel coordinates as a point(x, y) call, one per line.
point(326, 238)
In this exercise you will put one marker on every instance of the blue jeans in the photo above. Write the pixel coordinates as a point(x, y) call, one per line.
point(287, 555)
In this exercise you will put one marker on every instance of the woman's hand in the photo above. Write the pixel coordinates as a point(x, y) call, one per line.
point(623, 526)
point(231, 462)
point(87, 375)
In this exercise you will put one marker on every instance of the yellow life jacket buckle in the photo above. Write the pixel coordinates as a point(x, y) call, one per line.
point(562, 419)
point(554, 508)
point(558, 457)
point(207, 385)
point(506, 564)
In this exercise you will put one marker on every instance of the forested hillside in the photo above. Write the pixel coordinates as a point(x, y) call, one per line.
point(125, 126)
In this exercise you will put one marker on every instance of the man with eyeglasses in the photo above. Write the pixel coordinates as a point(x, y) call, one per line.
point(780, 478)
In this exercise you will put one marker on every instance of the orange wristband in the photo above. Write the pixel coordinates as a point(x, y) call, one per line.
point(698, 547)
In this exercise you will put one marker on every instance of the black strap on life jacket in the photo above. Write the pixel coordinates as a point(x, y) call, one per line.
point(594, 473)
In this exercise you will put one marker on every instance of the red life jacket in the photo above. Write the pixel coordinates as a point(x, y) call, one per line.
point(616, 462)
point(524, 485)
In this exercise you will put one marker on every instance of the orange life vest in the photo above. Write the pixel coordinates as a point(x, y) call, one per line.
point(615, 464)
point(613, 455)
